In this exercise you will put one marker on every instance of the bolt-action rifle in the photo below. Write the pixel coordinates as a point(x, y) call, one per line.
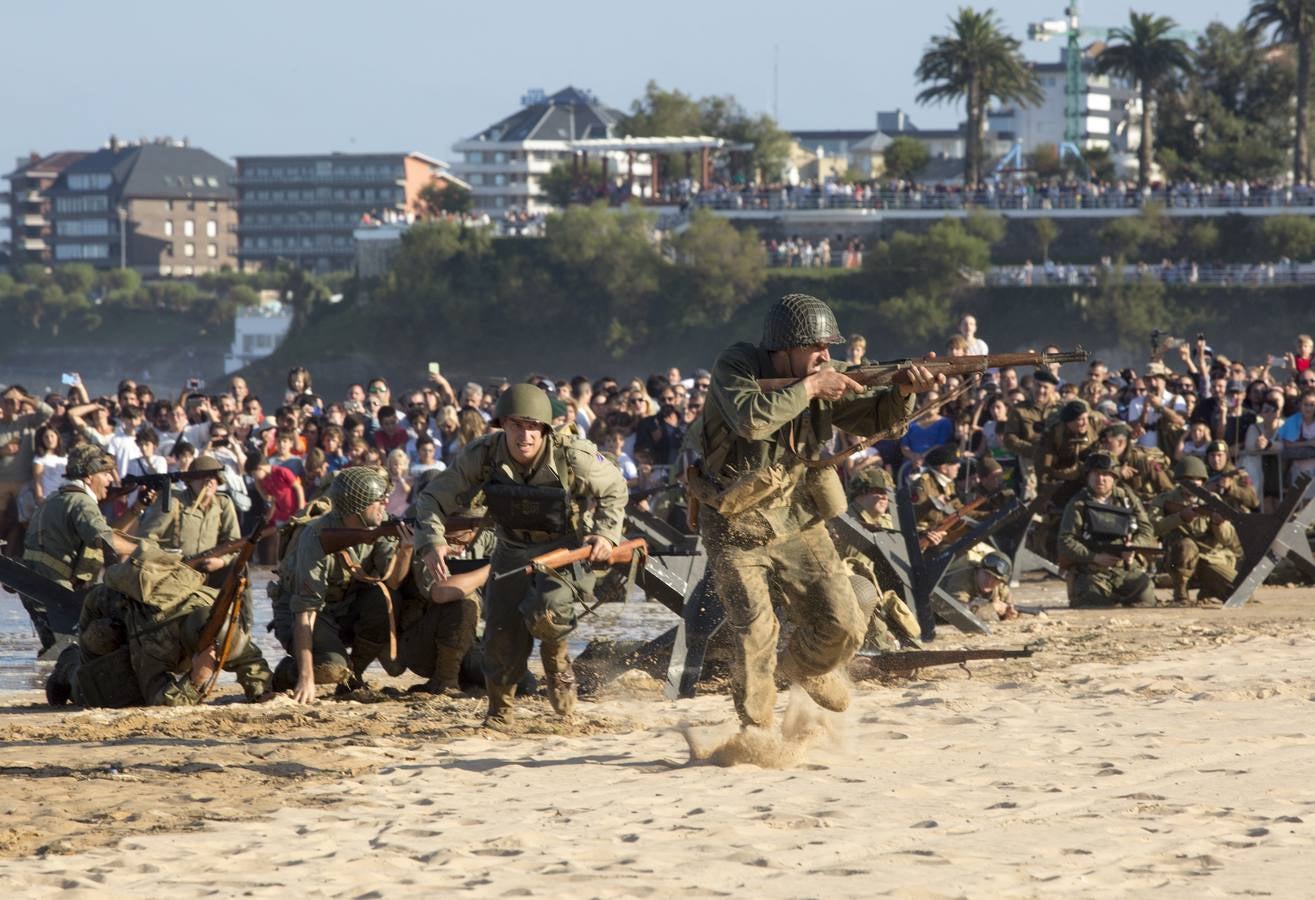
point(897, 371)
point(910, 660)
point(228, 609)
point(623, 554)
point(952, 526)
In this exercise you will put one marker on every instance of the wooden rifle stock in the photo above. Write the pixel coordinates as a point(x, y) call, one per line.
point(896, 372)
point(911, 660)
point(557, 559)
point(228, 608)
point(227, 547)
point(951, 524)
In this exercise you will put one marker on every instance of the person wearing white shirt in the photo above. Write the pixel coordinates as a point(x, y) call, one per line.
point(1164, 400)
point(968, 328)
point(48, 466)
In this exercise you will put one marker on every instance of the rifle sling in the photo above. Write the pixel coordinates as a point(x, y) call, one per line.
point(379, 581)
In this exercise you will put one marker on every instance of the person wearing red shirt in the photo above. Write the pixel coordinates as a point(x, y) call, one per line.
point(390, 435)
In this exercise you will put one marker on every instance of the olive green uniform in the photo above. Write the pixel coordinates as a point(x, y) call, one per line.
point(349, 614)
point(1022, 432)
point(519, 608)
point(65, 541)
point(1089, 584)
point(934, 499)
point(1151, 476)
point(1058, 458)
point(960, 582)
point(890, 622)
point(191, 529)
point(1199, 551)
point(139, 652)
point(764, 529)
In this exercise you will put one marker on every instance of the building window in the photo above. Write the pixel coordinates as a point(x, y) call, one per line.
point(88, 204)
point(168, 206)
point(168, 228)
point(169, 249)
point(97, 181)
point(189, 249)
point(212, 228)
point(212, 251)
point(213, 205)
point(189, 227)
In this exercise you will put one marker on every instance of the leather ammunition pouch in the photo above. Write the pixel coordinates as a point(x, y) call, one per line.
point(529, 508)
point(1107, 524)
point(108, 681)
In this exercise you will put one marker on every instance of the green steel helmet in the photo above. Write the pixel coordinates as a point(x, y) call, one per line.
point(524, 401)
point(86, 460)
point(870, 480)
point(998, 565)
point(356, 487)
point(1190, 467)
point(799, 320)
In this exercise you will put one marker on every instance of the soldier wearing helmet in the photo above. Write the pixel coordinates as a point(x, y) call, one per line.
point(68, 537)
point(983, 586)
point(333, 612)
point(1102, 527)
point(1071, 434)
point(763, 520)
point(199, 517)
point(543, 490)
point(1202, 548)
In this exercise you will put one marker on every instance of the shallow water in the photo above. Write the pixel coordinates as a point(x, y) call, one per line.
point(19, 669)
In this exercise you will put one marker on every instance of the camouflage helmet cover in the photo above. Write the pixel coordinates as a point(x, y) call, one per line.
point(799, 320)
point(356, 487)
point(86, 460)
point(870, 480)
point(524, 401)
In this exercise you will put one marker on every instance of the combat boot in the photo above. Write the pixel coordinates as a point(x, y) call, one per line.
point(362, 654)
point(447, 673)
point(501, 702)
point(1179, 580)
point(829, 690)
point(559, 675)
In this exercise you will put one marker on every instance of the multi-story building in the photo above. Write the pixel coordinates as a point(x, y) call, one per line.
point(161, 208)
point(504, 162)
point(30, 218)
point(304, 208)
point(830, 153)
point(1109, 107)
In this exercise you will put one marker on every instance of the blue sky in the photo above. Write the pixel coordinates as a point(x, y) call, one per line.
point(286, 77)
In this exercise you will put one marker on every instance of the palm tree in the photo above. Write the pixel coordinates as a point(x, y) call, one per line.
point(1292, 22)
point(1146, 53)
point(976, 62)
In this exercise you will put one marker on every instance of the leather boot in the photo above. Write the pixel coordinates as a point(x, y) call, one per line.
point(501, 702)
point(559, 675)
point(363, 653)
point(829, 690)
point(447, 673)
point(1180, 593)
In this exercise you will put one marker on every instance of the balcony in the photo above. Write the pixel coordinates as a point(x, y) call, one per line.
point(34, 220)
point(291, 252)
point(34, 244)
point(265, 180)
point(362, 205)
point(290, 227)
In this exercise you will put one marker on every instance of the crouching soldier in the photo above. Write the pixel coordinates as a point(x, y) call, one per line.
point(139, 640)
point(1103, 527)
point(1202, 547)
point(983, 586)
point(333, 613)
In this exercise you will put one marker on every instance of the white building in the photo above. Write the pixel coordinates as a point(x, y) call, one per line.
point(257, 332)
point(504, 162)
point(1109, 108)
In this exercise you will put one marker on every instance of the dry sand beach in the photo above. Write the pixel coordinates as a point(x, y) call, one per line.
point(1164, 752)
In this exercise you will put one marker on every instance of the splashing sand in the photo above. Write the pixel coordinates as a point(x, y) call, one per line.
point(804, 725)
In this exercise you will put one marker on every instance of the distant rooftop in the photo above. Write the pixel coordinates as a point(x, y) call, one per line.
point(569, 114)
point(164, 170)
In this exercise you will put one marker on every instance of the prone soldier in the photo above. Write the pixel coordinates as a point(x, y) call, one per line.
point(1202, 547)
point(68, 537)
point(536, 485)
point(982, 585)
point(1102, 527)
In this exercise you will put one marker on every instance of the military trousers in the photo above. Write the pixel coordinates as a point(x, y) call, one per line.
point(756, 561)
point(520, 608)
point(428, 630)
point(359, 624)
point(1118, 585)
point(1212, 569)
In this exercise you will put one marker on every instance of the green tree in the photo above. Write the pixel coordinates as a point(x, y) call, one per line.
point(437, 199)
point(1146, 52)
point(976, 63)
point(567, 182)
point(1126, 309)
point(719, 267)
point(1046, 233)
point(1045, 162)
point(126, 280)
point(1139, 237)
point(905, 157)
point(438, 273)
point(988, 227)
point(940, 263)
point(75, 278)
point(1099, 163)
point(1288, 236)
point(1202, 239)
point(1291, 23)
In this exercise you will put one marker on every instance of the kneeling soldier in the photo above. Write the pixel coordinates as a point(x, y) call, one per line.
point(536, 485)
point(1202, 546)
point(1102, 527)
point(328, 603)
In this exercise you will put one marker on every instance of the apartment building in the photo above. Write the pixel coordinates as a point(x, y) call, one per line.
point(31, 216)
point(304, 208)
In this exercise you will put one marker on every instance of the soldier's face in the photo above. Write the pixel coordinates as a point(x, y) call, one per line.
point(807, 360)
point(1217, 459)
point(1044, 392)
point(1116, 444)
point(375, 514)
point(1101, 483)
point(100, 484)
point(524, 439)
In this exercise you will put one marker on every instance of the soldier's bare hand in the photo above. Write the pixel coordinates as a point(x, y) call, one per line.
point(212, 564)
point(436, 562)
point(1127, 472)
point(600, 549)
point(305, 691)
point(934, 538)
point(828, 384)
point(920, 379)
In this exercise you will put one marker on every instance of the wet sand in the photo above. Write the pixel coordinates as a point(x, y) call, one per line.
point(1165, 750)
